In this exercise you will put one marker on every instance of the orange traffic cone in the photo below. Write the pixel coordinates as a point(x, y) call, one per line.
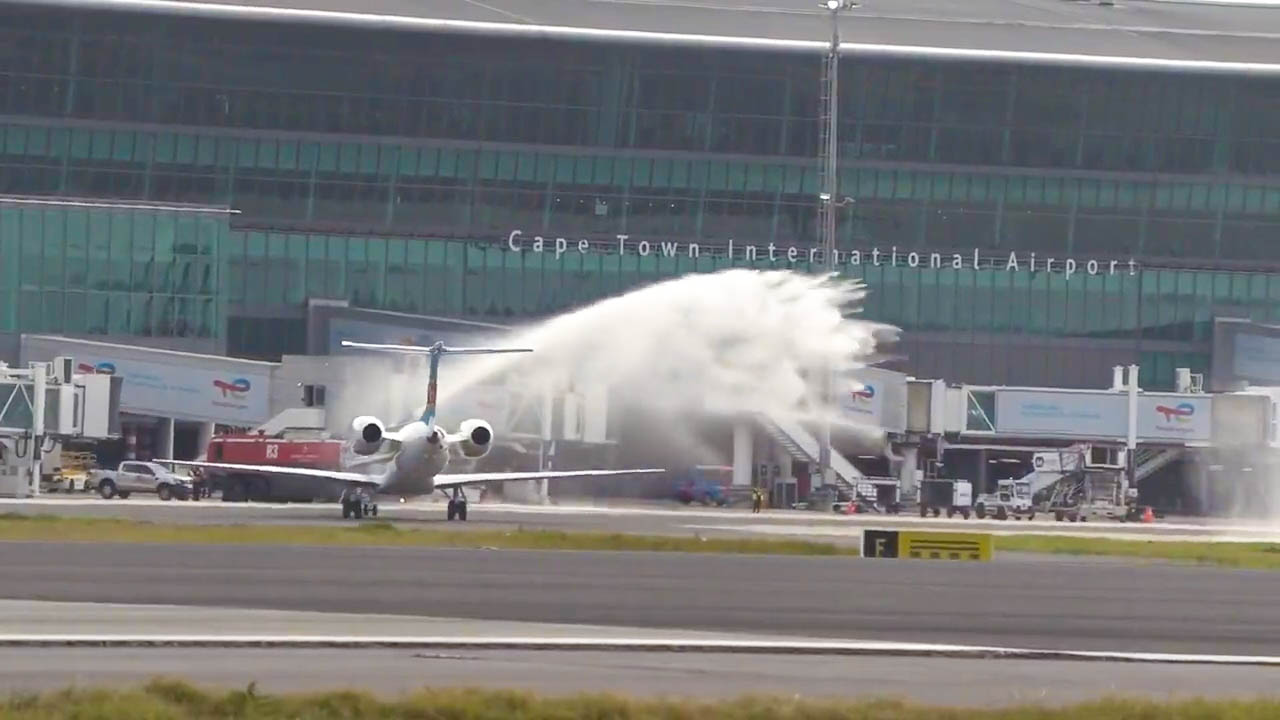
point(1147, 515)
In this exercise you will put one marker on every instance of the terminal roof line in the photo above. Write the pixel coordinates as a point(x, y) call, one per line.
point(369, 20)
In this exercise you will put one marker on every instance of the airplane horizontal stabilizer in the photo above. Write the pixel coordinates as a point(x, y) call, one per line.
point(454, 480)
point(437, 349)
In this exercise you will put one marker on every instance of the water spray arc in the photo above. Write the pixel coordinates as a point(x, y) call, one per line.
point(733, 343)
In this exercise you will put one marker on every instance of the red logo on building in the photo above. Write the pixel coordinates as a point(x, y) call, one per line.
point(235, 388)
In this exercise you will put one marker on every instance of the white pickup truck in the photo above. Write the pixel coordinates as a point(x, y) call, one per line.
point(143, 477)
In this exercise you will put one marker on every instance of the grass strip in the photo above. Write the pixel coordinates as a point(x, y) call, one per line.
point(165, 699)
point(383, 534)
point(1253, 556)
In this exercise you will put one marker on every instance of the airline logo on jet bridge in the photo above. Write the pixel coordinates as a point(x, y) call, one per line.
point(1181, 412)
point(102, 368)
point(236, 388)
point(864, 395)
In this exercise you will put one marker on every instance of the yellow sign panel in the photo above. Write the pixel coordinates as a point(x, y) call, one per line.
point(944, 546)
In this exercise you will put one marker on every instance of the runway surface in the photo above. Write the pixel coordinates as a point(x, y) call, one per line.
point(1073, 605)
point(701, 676)
point(653, 518)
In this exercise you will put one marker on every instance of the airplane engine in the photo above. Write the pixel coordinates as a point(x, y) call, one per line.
point(476, 438)
point(367, 433)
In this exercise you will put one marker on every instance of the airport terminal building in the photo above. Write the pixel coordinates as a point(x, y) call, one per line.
point(1038, 191)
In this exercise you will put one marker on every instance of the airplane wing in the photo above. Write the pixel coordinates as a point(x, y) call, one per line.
point(278, 470)
point(454, 480)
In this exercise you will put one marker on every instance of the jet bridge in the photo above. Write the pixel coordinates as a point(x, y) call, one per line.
point(43, 405)
point(1140, 433)
point(1123, 414)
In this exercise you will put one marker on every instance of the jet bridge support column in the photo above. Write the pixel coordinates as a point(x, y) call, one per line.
point(907, 470)
point(203, 437)
point(743, 453)
point(164, 437)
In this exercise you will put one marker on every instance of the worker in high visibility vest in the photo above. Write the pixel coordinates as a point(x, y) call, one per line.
point(757, 499)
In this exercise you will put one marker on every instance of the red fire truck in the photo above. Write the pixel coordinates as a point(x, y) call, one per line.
point(285, 450)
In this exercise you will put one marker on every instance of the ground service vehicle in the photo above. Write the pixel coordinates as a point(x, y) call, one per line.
point(1096, 494)
point(952, 496)
point(144, 477)
point(1012, 498)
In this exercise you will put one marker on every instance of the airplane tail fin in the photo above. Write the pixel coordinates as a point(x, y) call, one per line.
point(434, 351)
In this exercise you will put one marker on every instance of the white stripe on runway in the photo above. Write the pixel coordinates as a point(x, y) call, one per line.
point(624, 645)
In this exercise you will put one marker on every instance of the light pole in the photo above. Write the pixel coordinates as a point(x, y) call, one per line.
point(828, 175)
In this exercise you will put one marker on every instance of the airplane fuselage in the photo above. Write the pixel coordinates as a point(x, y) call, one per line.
point(406, 466)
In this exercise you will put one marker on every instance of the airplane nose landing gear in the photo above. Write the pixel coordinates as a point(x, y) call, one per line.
point(458, 505)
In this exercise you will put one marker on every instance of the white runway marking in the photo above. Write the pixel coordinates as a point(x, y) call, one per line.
point(854, 532)
point(855, 647)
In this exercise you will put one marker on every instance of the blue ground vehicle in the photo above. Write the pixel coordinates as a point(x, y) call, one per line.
point(704, 484)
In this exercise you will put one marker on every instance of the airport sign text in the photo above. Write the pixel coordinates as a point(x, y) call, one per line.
point(517, 241)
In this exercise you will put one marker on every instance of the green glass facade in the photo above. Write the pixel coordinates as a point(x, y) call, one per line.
point(95, 269)
point(387, 170)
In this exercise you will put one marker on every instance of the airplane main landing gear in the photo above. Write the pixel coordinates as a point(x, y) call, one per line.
point(356, 504)
point(458, 505)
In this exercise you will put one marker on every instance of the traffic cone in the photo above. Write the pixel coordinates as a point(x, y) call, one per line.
point(1147, 515)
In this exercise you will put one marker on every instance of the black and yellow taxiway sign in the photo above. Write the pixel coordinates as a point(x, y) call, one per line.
point(926, 545)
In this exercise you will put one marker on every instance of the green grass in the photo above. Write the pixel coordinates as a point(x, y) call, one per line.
point(1254, 556)
point(382, 533)
point(166, 699)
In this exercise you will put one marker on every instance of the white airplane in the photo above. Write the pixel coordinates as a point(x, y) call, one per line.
point(409, 460)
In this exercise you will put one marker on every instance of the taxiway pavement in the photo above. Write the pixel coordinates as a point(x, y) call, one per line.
point(656, 518)
point(1072, 605)
point(702, 676)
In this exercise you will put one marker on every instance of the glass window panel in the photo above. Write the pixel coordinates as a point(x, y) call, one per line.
point(488, 165)
point(603, 171)
point(15, 141)
point(466, 166)
point(77, 245)
point(268, 153)
point(185, 149)
point(37, 141)
point(369, 158)
point(81, 143)
point(246, 153)
point(164, 147)
point(507, 164)
point(326, 156)
point(348, 158)
point(408, 161)
point(99, 234)
point(206, 151)
point(102, 141)
point(527, 167)
point(641, 173)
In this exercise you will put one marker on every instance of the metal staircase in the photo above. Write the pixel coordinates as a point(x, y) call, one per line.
point(802, 445)
point(1148, 460)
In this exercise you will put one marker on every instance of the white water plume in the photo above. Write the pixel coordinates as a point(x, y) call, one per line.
point(733, 341)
